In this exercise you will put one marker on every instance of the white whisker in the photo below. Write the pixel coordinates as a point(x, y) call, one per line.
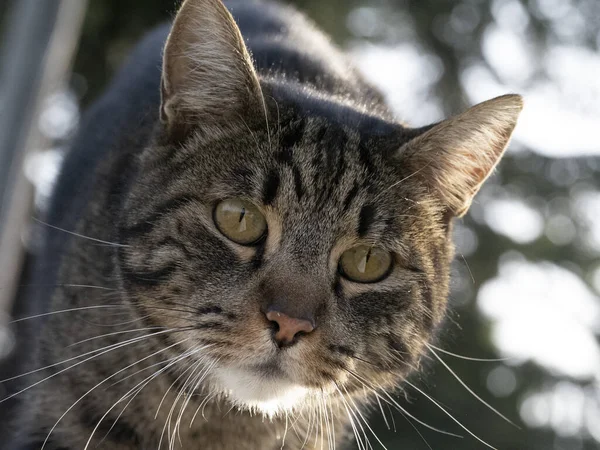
point(137, 330)
point(101, 383)
point(102, 352)
point(468, 268)
point(144, 383)
point(416, 429)
point(52, 313)
point(449, 415)
point(356, 408)
point(201, 376)
point(391, 401)
point(468, 358)
point(284, 431)
point(91, 352)
point(351, 417)
point(470, 390)
point(113, 244)
point(201, 407)
point(382, 412)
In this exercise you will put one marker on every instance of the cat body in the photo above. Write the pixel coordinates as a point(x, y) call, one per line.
point(173, 328)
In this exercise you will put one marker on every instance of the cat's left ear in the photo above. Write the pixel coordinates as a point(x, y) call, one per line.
point(456, 156)
point(208, 74)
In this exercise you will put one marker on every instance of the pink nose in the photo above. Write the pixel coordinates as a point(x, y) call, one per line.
point(288, 328)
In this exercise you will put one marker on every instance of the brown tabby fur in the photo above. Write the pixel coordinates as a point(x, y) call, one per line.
point(319, 153)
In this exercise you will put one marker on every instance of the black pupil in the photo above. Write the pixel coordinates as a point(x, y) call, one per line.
point(369, 255)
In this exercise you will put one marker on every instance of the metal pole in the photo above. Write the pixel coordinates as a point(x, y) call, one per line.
point(39, 46)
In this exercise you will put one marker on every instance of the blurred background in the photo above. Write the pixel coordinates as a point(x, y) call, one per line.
point(526, 286)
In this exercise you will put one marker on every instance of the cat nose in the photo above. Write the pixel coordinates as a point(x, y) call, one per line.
point(288, 328)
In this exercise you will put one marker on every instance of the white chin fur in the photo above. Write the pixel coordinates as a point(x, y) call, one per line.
point(258, 393)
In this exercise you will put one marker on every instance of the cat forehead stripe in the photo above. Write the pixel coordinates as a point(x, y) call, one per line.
point(278, 242)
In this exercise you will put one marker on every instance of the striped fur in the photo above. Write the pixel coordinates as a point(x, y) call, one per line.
point(301, 135)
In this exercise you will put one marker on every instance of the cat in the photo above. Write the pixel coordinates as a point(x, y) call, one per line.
point(246, 247)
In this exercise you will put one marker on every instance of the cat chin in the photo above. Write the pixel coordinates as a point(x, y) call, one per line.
point(271, 396)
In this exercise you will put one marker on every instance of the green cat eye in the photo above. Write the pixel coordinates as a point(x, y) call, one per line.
point(365, 264)
point(240, 221)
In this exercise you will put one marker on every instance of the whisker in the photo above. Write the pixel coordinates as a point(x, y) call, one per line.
point(352, 417)
point(101, 352)
point(365, 361)
point(285, 431)
point(404, 412)
point(449, 415)
point(333, 435)
point(115, 324)
point(145, 382)
point(416, 429)
point(356, 408)
point(202, 407)
point(137, 330)
point(191, 379)
point(468, 268)
point(202, 374)
point(102, 382)
point(322, 422)
point(51, 313)
point(87, 286)
point(315, 423)
point(166, 361)
point(392, 402)
point(470, 390)
point(296, 416)
point(173, 434)
point(383, 413)
point(400, 359)
point(114, 244)
point(169, 390)
point(171, 362)
point(328, 429)
point(387, 405)
point(167, 419)
point(189, 309)
point(65, 361)
point(251, 133)
point(468, 358)
point(87, 308)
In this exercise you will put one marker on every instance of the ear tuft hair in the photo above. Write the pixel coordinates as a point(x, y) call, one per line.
point(457, 155)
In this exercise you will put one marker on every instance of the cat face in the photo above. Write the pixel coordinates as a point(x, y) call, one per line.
point(293, 253)
point(312, 198)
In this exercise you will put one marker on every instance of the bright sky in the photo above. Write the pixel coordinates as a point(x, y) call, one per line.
point(562, 107)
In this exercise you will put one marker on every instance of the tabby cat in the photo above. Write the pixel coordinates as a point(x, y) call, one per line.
point(252, 248)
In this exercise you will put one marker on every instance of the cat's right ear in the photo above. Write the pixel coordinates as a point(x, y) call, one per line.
point(207, 72)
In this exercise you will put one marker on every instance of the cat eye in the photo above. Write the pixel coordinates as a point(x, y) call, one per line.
point(365, 264)
point(240, 221)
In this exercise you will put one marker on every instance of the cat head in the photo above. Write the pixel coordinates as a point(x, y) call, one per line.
point(293, 243)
